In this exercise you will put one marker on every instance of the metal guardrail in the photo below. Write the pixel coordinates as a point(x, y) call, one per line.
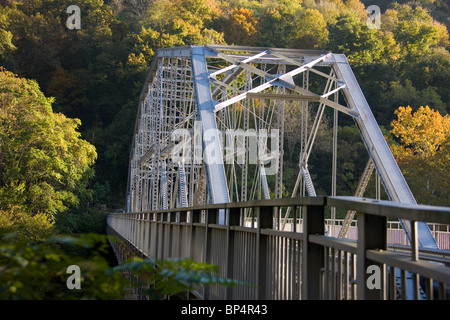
point(396, 234)
point(296, 265)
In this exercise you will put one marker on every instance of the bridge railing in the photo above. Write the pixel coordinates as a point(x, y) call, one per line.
point(277, 264)
point(396, 234)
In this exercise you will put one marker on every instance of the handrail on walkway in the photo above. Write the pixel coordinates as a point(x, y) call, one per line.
point(291, 264)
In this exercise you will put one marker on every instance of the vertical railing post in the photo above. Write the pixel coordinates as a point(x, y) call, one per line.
point(158, 223)
point(211, 218)
point(195, 218)
point(133, 235)
point(233, 220)
point(139, 231)
point(415, 257)
point(372, 234)
point(171, 218)
point(130, 228)
point(313, 254)
point(182, 245)
point(147, 234)
point(264, 221)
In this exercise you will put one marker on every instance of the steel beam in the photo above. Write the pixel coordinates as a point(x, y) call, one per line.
point(386, 166)
point(212, 150)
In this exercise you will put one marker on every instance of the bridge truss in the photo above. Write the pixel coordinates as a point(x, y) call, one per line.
point(211, 122)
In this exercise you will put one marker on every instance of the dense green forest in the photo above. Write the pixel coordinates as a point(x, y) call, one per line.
point(68, 97)
point(94, 74)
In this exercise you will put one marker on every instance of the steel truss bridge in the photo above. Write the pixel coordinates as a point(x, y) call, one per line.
point(206, 178)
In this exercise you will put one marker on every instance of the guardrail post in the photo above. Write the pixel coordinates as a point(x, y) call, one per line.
point(167, 247)
point(211, 218)
point(265, 221)
point(158, 224)
point(233, 220)
point(174, 237)
point(181, 242)
point(195, 218)
point(372, 234)
point(313, 254)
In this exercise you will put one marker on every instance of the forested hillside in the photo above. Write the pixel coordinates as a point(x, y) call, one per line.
point(95, 74)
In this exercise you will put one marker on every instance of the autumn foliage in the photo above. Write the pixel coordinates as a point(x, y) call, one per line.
point(424, 152)
point(44, 164)
point(95, 74)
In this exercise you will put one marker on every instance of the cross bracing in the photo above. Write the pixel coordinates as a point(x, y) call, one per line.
point(211, 123)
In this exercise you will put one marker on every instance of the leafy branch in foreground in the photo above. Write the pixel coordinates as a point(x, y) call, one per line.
point(162, 278)
point(40, 271)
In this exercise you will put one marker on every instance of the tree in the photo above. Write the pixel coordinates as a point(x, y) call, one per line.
point(92, 72)
point(430, 72)
point(44, 164)
point(18, 226)
point(350, 36)
point(6, 45)
point(358, 7)
point(69, 91)
point(36, 37)
point(351, 159)
point(415, 30)
point(183, 22)
point(311, 31)
point(85, 59)
point(138, 7)
point(421, 133)
point(423, 152)
point(240, 27)
point(277, 23)
point(330, 9)
point(407, 94)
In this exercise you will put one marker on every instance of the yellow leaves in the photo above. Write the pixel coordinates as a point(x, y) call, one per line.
point(17, 225)
point(312, 32)
point(183, 22)
point(424, 152)
point(392, 50)
point(136, 60)
point(421, 132)
point(442, 32)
